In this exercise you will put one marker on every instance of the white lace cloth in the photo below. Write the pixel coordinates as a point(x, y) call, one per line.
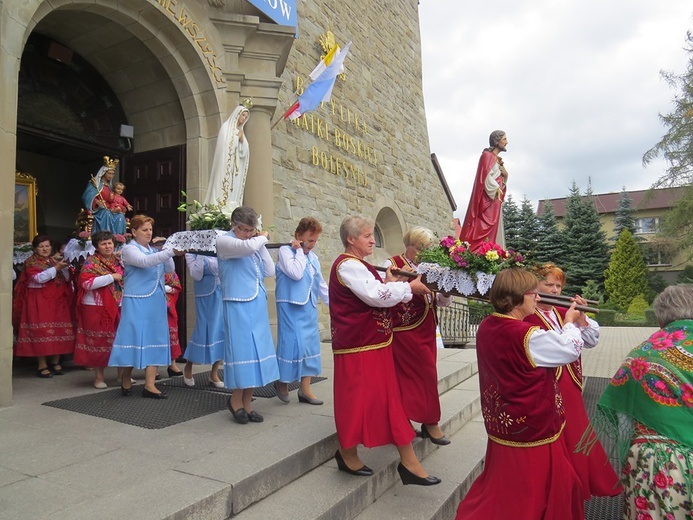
point(200, 240)
point(74, 250)
point(449, 280)
point(19, 257)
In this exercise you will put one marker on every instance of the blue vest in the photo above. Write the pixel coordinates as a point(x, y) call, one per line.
point(209, 282)
point(142, 282)
point(299, 292)
point(243, 278)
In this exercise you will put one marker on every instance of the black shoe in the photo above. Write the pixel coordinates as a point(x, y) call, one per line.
point(56, 371)
point(157, 377)
point(173, 373)
point(255, 417)
point(363, 471)
point(409, 478)
point(44, 373)
point(153, 395)
point(240, 415)
point(440, 441)
point(125, 391)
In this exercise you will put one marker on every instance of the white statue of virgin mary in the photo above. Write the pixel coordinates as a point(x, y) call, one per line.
point(230, 163)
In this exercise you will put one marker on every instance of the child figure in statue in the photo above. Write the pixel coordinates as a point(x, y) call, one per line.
point(118, 203)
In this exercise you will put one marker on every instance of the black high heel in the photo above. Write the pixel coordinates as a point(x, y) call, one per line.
point(441, 441)
point(363, 471)
point(409, 478)
point(173, 373)
point(125, 391)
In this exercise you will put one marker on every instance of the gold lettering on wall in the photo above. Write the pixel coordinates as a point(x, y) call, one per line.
point(192, 29)
point(339, 166)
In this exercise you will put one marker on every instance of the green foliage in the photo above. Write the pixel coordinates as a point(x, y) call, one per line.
point(203, 216)
point(549, 246)
point(591, 291)
point(528, 228)
point(585, 242)
point(637, 306)
point(478, 310)
point(650, 318)
point(623, 218)
point(656, 283)
point(626, 276)
point(606, 317)
point(685, 276)
point(511, 223)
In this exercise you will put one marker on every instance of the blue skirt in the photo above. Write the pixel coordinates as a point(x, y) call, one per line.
point(249, 358)
point(206, 345)
point(142, 337)
point(298, 344)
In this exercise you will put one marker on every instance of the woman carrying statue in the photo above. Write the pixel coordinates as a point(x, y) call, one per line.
point(99, 293)
point(97, 196)
point(230, 163)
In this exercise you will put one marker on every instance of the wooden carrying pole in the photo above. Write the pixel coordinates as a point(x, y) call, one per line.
point(564, 297)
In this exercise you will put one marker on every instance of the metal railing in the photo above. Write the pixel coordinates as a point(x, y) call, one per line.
point(458, 322)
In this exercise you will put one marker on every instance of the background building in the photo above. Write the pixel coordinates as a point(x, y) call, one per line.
point(171, 71)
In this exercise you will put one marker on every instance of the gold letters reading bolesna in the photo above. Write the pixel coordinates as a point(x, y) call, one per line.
point(176, 10)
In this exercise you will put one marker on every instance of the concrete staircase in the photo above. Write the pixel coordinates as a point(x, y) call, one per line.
point(297, 477)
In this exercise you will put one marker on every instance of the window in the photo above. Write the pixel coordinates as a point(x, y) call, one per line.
point(646, 225)
point(378, 236)
point(656, 254)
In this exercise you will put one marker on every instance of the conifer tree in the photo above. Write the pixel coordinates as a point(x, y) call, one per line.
point(549, 247)
point(585, 242)
point(626, 276)
point(528, 228)
point(623, 218)
point(511, 223)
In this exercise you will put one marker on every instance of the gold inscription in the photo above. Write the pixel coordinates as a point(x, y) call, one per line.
point(339, 166)
point(193, 30)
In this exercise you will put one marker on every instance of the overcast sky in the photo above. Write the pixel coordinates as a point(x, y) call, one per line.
point(575, 84)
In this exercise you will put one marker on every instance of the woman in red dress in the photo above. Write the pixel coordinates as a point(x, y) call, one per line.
point(42, 309)
point(99, 293)
point(414, 344)
point(595, 471)
point(527, 473)
point(173, 288)
point(367, 404)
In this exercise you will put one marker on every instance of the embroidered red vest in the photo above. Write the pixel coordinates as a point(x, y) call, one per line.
point(411, 314)
point(356, 326)
point(520, 402)
point(575, 368)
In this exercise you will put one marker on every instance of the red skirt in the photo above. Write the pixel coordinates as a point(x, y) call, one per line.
point(95, 334)
point(595, 471)
point(537, 483)
point(415, 354)
point(173, 336)
point(46, 327)
point(367, 405)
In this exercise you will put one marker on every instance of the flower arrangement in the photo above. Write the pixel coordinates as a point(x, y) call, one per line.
point(83, 237)
point(453, 266)
point(120, 240)
point(204, 216)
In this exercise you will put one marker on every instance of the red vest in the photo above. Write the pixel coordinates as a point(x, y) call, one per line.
point(575, 368)
point(520, 402)
point(410, 315)
point(356, 326)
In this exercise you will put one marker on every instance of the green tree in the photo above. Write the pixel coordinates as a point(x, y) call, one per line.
point(528, 227)
point(585, 244)
point(623, 218)
point(511, 223)
point(549, 247)
point(626, 276)
point(676, 147)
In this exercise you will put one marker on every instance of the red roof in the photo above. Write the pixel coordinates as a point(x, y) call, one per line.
point(609, 202)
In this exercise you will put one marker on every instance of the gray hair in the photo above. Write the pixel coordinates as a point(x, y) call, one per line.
point(495, 137)
point(674, 303)
point(244, 215)
point(353, 226)
point(419, 237)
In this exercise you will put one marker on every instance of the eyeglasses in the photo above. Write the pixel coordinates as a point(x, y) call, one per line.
point(535, 294)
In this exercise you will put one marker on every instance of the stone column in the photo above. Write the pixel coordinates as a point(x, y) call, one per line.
point(259, 185)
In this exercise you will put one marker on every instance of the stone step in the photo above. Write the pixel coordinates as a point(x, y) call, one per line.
point(326, 493)
point(458, 465)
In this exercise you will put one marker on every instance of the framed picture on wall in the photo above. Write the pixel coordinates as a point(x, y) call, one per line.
point(24, 208)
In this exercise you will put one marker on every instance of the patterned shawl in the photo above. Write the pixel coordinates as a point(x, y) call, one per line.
point(52, 289)
point(110, 295)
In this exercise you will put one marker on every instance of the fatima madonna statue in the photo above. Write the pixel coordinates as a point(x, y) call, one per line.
point(230, 163)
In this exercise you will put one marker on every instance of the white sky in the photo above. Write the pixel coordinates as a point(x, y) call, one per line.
point(575, 84)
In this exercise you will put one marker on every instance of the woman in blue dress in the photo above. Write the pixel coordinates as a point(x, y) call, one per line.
point(206, 345)
point(249, 359)
point(299, 284)
point(142, 338)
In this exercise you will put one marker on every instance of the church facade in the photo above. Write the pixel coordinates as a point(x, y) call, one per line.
point(151, 81)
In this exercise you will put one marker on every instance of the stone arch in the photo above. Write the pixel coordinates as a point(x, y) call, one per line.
point(390, 226)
